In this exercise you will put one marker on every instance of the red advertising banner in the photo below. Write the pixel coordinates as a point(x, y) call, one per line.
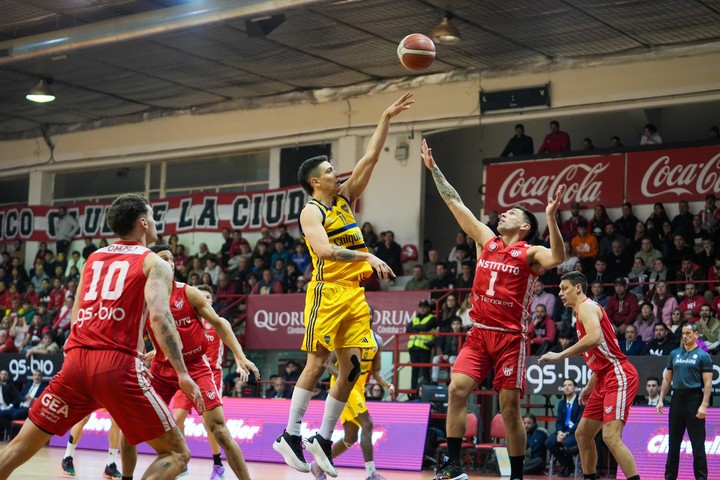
point(276, 322)
point(673, 175)
point(589, 181)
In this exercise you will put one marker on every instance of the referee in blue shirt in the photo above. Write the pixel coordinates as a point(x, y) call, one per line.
point(690, 371)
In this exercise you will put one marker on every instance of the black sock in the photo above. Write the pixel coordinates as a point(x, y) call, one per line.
point(216, 460)
point(634, 477)
point(589, 476)
point(454, 448)
point(516, 467)
point(71, 440)
point(126, 477)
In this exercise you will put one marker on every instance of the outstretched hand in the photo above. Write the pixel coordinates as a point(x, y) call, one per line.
point(427, 156)
point(554, 202)
point(400, 105)
point(549, 357)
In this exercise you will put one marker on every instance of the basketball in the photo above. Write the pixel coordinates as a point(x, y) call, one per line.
point(416, 52)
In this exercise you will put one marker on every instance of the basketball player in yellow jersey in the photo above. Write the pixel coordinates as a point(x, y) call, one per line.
point(336, 312)
point(356, 415)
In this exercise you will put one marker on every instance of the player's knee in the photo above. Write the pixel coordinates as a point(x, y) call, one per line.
point(457, 391)
point(350, 439)
point(355, 371)
point(221, 433)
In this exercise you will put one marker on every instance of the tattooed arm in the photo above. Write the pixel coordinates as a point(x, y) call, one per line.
point(157, 298)
point(311, 221)
point(477, 230)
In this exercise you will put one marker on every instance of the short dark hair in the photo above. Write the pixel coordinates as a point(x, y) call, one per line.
point(555, 122)
point(125, 211)
point(576, 278)
point(532, 220)
point(161, 248)
point(694, 326)
point(651, 127)
point(307, 169)
point(520, 125)
point(568, 379)
point(205, 288)
point(656, 379)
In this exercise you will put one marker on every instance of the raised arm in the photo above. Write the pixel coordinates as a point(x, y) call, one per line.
point(354, 187)
point(157, 298)
point(311, 221)
point(477, 230)
point(542, 257)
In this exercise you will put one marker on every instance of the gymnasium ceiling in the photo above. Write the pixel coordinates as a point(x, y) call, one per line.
point(117, 61)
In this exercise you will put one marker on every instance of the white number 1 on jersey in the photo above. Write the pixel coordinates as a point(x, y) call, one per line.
point(491, 288)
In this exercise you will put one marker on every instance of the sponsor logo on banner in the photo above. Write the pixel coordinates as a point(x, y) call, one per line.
point(672, 175)
point(588, 180)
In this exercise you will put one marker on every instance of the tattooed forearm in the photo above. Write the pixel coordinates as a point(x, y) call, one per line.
point(447, 191)
point(340, 254)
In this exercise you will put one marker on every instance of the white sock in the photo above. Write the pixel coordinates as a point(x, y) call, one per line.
point(333, 409)
point(69, 450)
point(112, 455)
point(369, 468)
point(298, 405)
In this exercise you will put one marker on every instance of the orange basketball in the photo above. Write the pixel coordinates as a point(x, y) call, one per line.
point(416, 52)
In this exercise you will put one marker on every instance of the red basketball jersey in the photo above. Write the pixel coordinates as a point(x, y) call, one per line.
point(503, 288)
point(215, 347)
point(112, 312)
point(189, 326)
point(607, 355)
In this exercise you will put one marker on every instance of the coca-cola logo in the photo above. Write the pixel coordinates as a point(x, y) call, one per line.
point(581, 181)
point(662, 177)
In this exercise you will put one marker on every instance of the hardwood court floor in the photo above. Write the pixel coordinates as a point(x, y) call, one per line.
point(89, 464)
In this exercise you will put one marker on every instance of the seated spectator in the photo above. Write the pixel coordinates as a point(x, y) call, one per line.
point(599, 221)
point(599, 273)
point(588, 144)
point(556, 141)
point(568, 229)
point(585, 244)
point(277, 388)
point(443, 280)
point(266, 238)
point(662, 302)
point(664, 236)
point(213, 269)
point(635, 240)
point(8, 391)
point(709, 327)
point(570, 260)
point(267, 284)
point(710, 215)
point(47, 345)
point(622, 307)
point(648, 253)
point(566, 338)
point(542, 297)
point(389, 251)
point(615, 143)
point(652, 388)
point(676, 323)
point(375, 393)
point(7, 343)
point(519, 144)
point(631, 344)
point(659, 273)
point(285, 237)
point(597, 294)
point(663, 343)
point(676, 253)
point(620, 260)
point(467, 275)
point(319, 392)
point(300, 285)
point(61, 325)
point(280, 253)
point(290, 374)
point(705, 257)
point(301, 257)
point(535, 450)
point(610, 235)
point(658, 216)
point(690, 272)
point(448, 346)
point(418, 280)
point(448, 312)
point(650, 135)
point(21, 405)
point(691, 303)
point(683, 222)
point(429, 267)
point(626, 223)
point(562, 443)
point(541, 332)
point(460, 254)
point(638, 275)
point(645, 322)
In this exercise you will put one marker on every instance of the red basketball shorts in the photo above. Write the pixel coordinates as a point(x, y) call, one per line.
point(613, 394)
point(182, 402)
point(165, 382)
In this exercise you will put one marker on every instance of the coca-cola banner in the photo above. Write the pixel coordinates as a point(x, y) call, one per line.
point(672, 175)
point(589, 181)
point(275, 322)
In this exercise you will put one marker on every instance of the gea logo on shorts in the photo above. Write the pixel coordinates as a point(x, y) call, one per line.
point(55, 404)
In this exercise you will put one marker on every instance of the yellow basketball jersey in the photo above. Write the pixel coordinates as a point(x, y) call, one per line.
point(343, 231)
point(368, 356)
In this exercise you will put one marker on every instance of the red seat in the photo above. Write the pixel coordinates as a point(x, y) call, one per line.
point(497, 433)
point(471, 430)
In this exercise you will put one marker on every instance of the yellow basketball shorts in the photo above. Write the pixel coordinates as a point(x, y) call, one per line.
point(354, 407)
point(336, 316)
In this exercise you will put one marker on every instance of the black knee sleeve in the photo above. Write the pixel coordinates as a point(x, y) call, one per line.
point(352, 376)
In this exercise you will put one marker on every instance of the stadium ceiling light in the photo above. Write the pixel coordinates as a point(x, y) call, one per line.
point(40, 93)
point(445, 33)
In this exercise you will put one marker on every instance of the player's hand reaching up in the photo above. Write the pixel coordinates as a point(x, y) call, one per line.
point(190, 388)
point(554, 202)
point(427, 156)
point(400, 105)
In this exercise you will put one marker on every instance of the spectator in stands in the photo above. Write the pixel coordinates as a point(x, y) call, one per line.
point(683, 222)
point(519, 144)
point(8, 391)
point(677, 252)
point(448, 312)
point(709, 327)
point(66, 227)
point(291, 373)
point(89, 247)
point(710, 215)
point(663, 343)
point(47, 345)
point(267, 284)
point(598, 221)
point(418, 280)
point(562, 443)
point(627, 222)
point(371, 238)
point(648, 253)
point(598, 294)
point(492, 222)
point(588, 144)
point(283, 236)
point(266, 238)
point(277, 387)
point(600, 273)
point(570, 260)
point(691, 303)
point(566, 338)
point(376, 393)
point(705, 258)
point(280, 252)
point(658, 215)
point(467, 275)
point(638, 276)
point(291, 276)
point(236, 241)
point(7, 343)
point(300, 285)
point(541, 332)
point(448, 346)
point(262, 251)
point(645, 322)
point(224, 254)
point(622, 307)
point(301, 257)
point(608, 238)
point(714, 132)
point(535, 450)
point(213, 269)
point(650, 135)
point(585, 245)
point(664, 236)
point(542, 297)
point(75, 261)
point(662, 302)
point(57, 296)
point(615, 143)
point(652, 388)
point(443, 280)
point(61, 325)
point(21, 405)
point(45, 290)
point(568, 229)
point(556, 141)
point(690, 272)
point(659, 273)
point(420, 344)
point(631, 344)
point(38, 276)
point(460, 253)
point(389, 251)
point(319, 392)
